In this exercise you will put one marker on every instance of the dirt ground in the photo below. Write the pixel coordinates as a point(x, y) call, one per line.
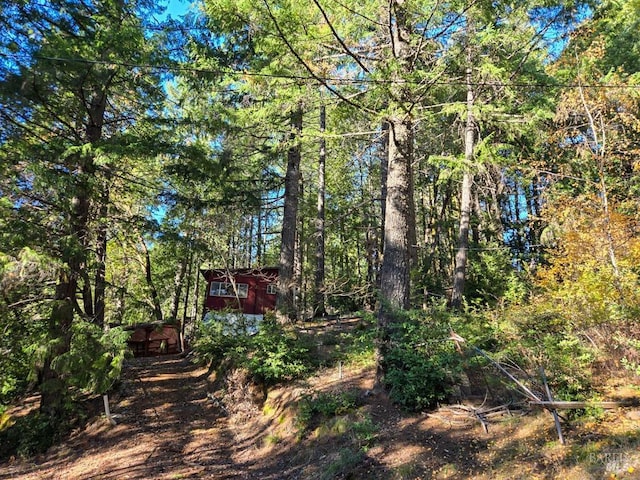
point(171, 423)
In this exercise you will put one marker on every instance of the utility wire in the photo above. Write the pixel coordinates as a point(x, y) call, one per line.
point(337, 80)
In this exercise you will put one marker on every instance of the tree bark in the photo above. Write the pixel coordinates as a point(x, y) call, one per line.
point(399, 231)
point(459, 274)
point(399, 211)
point(178, 281)
point(299, 294)
point(286, 279)
point(157, 310)
point(101, 259)
point(399, 218)
point(319, 295)
point(384, 174)
point(188, 287)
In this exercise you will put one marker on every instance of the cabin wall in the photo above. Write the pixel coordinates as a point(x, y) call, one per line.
point(257, 301)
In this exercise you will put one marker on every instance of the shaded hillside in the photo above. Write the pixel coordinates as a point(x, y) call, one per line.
point(173, 422)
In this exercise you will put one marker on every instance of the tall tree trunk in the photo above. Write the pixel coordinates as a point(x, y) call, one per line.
point(101, 258)
point(299, 298)
point(178, 281)
point(399, 231)
point(259, 240)
point(384, 174)
point(249, 258)
point(80, 227)
point(319, 295)
point(187, 289)
point(188, 322)
point(459, 274)
point(599, 149)
point(94, 303)
point(53, 387)
point(399, 218)
point(399, 211)
point(286, 279)
point(157, 309)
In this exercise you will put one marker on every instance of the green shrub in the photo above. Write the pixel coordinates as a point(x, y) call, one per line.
point(420, 362)
point(213, 344)
point(538, 336)
point(272, 355)
point(346, 463)
point(491, 277)
point(30, 435)
point(277, 355)
point(325, 404)
point(365, 432)
point(415, 380)
point(355, 346)
point(95, 360)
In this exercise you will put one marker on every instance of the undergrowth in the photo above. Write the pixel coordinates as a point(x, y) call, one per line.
point(32, 434)
point(423, 364)
point(274, 354)
point(324, 405)
point(338, 415)
point(91, 366)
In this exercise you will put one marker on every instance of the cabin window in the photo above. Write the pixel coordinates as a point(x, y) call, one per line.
point(223, 289)
point(272, 289)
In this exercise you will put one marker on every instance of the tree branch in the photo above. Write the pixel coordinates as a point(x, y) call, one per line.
point(339, 39)
point(320, 80)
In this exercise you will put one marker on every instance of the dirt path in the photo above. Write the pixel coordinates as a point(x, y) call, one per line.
point(167, 427)
point(170, 427)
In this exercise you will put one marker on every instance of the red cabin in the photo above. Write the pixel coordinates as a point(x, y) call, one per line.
point(247, 290)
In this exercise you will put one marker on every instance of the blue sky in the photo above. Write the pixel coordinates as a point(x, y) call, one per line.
point(175, 8)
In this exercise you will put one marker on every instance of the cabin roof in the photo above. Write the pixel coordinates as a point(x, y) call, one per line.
point(269, 272)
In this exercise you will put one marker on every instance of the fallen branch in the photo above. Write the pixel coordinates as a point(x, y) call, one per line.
point(553, 410)
point(458, 339)
point(579, 404)
point(470, 413)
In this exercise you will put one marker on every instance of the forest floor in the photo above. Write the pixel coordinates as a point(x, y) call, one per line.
point(171, 423)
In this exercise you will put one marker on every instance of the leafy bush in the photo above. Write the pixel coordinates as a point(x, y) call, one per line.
point(491, 277)
point(346, 463)
point(420, 362)
point(539, 336)
point(631, 358)
point(365, 432)
point(96, 357)
point(354, 346)
point(277, 355)
point(273, 355)
point(23, 317)
point(326, 405)
point(415, 381)
point(213, 345)
point(28, 436)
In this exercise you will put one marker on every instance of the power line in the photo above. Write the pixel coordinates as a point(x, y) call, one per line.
point(329, 79)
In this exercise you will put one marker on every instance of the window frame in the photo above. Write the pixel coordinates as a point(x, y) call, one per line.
point(241, 290)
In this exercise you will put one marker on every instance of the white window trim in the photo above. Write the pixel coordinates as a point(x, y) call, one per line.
point(241, 289)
